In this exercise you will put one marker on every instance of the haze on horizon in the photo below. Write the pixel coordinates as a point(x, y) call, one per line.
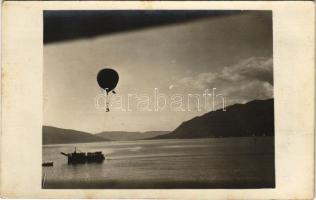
point(230, 52)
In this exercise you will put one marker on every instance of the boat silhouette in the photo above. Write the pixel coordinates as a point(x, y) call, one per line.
point(47, 164)
point(84, 157)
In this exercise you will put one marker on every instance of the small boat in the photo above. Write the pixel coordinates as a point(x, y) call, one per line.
point(89, 157)
point(47, 164)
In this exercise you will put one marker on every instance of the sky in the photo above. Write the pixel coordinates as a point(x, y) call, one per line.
point(165, 58)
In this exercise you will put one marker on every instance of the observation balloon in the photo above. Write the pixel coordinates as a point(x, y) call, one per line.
point(107, 79)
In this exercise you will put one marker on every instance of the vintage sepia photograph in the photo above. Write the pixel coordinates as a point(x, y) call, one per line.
point(158, 99)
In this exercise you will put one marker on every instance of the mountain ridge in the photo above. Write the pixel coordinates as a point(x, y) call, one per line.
point(254, 118)
point(54, 135)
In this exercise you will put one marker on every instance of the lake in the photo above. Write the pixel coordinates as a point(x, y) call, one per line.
point(246, 162)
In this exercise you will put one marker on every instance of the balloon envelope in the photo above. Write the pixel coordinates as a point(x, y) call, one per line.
point(107, 79)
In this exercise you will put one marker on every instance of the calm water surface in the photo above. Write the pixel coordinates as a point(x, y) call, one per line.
point(170, 163)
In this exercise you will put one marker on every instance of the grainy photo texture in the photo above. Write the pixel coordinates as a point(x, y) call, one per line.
point(158, 99)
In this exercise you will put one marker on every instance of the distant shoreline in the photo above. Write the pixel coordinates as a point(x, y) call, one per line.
point(267, 136)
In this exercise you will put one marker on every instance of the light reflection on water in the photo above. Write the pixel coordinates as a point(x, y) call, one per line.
point(164, 163)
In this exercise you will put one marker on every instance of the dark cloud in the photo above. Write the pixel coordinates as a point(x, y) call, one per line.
point(75, 24)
